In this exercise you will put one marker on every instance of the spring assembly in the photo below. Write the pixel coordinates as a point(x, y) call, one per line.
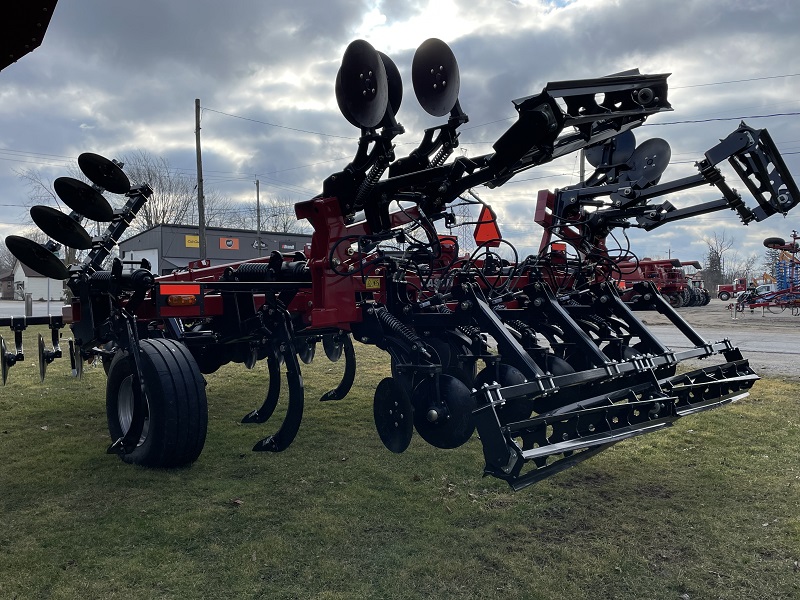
point(369, 182)
point(441, 156)
point(253, 272)
point(396, 326)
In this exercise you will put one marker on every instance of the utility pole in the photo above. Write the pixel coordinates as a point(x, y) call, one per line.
point(258, 220)
point(201, 209)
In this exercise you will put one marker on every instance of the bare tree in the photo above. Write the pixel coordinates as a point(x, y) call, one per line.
point(218, 210)
point(7, 259)
point(277, 214)
point(740, 266)
point(174, 199)
point(172, 196)
point(715, 268)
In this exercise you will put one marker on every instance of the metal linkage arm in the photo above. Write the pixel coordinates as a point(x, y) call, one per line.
point(628, 100)
point(432, 151)
point(753, 156)
point(533, 139)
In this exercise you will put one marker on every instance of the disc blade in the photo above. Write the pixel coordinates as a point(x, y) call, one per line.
point(393, 415)
point(340, 100)
point(42, 361)
point(443, 419)
point(364, 91)
point(615, 151)
point(394, 87)
point(649, 161)
point(83, 199)
point(61, 227)
point(306, 351)
point(435, 76)
point(37, 257)
point(3, 359)
point(333, 347)
point(104, 173)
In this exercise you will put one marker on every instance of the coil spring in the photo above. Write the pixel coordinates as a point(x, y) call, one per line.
point(101, 276)
point(469, 330)
point(372, 178)
point(396, 326)
point(253, 272)
point(519, 325)
point(441, 156)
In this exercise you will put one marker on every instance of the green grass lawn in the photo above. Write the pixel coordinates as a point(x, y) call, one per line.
point(707, 509)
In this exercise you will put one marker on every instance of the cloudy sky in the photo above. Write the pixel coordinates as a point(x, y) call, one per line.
point(113, 77)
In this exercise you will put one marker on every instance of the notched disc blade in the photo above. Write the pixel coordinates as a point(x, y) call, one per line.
point(435, 76)
point(61, 227)
point(649, 161)
point(83, 199)
point(104, 173)
point(37, 257)
point(394, 417)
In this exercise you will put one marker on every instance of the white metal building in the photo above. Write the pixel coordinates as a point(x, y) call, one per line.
point(28, 281)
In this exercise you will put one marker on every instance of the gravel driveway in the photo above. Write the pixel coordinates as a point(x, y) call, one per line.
point(771, 342)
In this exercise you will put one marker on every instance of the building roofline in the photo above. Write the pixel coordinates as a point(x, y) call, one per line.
point(213, 230)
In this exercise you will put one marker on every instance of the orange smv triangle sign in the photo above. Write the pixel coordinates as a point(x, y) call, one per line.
point(487, 233)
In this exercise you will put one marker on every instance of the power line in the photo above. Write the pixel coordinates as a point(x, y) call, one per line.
point(790, 114)
point(279, 126)
point(683, 87)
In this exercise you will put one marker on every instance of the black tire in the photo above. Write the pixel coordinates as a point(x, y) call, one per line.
point(724, 296)
point(688, 296)
point(773, 242)
point(675, 300)
point(176, 408)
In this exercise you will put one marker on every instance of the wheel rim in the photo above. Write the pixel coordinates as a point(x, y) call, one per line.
point(126, 400)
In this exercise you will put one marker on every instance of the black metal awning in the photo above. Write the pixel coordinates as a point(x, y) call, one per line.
point(22, 27)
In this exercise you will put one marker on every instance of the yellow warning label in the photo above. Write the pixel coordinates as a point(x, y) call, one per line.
point(373, 283)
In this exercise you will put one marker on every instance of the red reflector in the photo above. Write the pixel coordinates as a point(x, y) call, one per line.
point(559, 247)
point(185, 300)
point(487, 233)
point(165, 289)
